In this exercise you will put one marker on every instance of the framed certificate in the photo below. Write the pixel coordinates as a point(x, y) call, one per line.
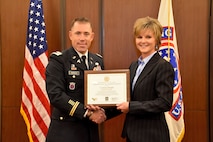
point(106, 87)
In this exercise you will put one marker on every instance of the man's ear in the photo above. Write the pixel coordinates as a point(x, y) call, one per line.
point(92, 36)
point(70, 35)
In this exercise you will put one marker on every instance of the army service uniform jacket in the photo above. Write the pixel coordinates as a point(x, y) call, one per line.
point(65, 88)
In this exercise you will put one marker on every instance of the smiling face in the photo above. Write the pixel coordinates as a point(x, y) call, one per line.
point(147, 35)
point(145, 42)
point(81, 36)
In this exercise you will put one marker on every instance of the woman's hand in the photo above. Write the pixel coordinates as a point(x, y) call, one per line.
point(124, 107)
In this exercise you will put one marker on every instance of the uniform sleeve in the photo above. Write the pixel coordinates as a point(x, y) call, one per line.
point(56, 88)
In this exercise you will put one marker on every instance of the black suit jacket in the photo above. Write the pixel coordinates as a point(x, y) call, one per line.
point(150, 98)
point(65, 88)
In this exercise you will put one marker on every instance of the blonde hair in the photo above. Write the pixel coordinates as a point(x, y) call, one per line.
point(151, 24)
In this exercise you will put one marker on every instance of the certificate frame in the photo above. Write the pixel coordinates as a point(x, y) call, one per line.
point(106, 87)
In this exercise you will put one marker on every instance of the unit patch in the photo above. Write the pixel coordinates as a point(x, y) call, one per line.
point(72, 86)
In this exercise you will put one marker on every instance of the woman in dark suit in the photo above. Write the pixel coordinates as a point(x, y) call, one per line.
point(152, 80)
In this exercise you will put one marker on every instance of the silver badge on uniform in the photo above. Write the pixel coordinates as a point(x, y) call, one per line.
point(79, 61)
point(72, 86)
point(73, 67)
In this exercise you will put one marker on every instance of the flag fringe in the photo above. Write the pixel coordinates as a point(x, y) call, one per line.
point(26, 120)
point(180, 138)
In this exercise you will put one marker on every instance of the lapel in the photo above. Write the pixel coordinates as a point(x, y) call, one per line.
point(91, 61)
point(75, 59)
point(134, 68)
point(149, 66)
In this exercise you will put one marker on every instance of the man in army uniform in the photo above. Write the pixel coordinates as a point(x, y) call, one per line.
point(71, 121)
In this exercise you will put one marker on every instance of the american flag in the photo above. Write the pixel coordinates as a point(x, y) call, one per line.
point(169, 51)
point(35, 105)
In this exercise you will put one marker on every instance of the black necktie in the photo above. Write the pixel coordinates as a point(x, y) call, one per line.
point(84, 60)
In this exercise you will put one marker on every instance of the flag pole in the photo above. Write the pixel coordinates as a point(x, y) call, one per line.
point(169, 33)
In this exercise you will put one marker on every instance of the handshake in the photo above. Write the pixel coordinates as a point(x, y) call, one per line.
point(95, 114)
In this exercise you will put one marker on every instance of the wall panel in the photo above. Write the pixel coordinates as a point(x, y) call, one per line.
point(13, 30)
point(191, 19)
point(196, 126)
point(52, 10)
point(84, 8)
point(119, 17)
point(13, 126)
point(13, 42)
point(0, 68)
point(211, 75)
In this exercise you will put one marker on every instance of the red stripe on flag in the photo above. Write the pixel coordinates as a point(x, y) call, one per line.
point(35, 113)
point(167, 44)
point(173, 106)
point(43, 99)
point(39, 65)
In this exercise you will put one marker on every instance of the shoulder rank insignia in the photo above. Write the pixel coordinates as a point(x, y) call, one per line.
point(57, 53)
point(99, 55)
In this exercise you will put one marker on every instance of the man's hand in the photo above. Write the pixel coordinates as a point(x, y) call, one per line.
point(97, 116)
